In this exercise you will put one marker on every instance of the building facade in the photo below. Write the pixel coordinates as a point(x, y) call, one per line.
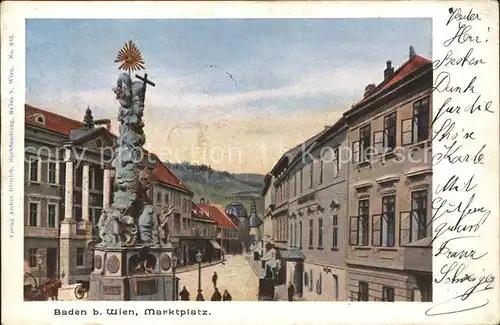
point(171, 193)
point(390, 184)
point(227, 231)
point(68, 182)
point(317, 214)
point(205, 234)
point(269, 197)
point(351, 218)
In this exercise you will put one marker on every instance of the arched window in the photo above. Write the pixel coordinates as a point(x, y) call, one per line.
point(166, 198)
point(335, 286)
point(158, 198)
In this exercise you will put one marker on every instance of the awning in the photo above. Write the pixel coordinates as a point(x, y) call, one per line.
point(215, 244)
point(292, 255)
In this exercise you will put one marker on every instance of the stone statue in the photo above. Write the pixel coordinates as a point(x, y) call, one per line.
point(130, 220)
point(165, 225)
point(147, 225)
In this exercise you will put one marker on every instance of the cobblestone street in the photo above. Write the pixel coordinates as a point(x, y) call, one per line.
point(235, 275)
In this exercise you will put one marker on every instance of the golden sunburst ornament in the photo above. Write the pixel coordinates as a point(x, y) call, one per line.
point(130, 58)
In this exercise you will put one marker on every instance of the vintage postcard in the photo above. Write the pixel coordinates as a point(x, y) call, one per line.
point(256, 163)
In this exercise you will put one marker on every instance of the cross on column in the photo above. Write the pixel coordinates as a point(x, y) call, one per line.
point(145, 80)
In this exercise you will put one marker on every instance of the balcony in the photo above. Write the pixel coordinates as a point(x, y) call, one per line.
point(415, 240)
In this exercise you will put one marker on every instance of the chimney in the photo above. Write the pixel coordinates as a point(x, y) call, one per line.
point(369, 89)
point(389, 71)
point(412, 52)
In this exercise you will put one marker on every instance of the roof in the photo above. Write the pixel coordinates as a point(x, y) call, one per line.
point(53, 122)
point(74, 130)
point(267, 182)
point(198, 213)
point(413, 64)
point(165, 175)
point(254, 221)
point(293, 153)
point(217, 214)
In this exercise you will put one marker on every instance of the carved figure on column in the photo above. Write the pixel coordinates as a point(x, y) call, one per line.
point(130, 219)
point(165, 218)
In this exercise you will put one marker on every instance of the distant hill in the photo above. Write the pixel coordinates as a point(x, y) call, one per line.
point(220, 187)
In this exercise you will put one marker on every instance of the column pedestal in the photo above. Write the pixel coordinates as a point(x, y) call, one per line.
point(132, 273)
point(66, 266)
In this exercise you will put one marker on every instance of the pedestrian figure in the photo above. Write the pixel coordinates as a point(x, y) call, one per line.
point(184, 294)
point(214, 279)
point(291, 291)
point(216, 296)
point(226, 296)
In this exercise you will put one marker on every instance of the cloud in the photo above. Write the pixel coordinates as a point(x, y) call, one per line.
point(174, 93)
point(180, 122)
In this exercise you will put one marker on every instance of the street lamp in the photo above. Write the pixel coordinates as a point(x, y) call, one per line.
point(199, 296)
point(174, 266)
point(39, 262)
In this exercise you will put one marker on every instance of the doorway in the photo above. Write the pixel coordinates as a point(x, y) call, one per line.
point(51, 262)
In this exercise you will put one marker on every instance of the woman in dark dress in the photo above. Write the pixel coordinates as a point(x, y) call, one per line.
point(226, 296)
point(216, 296)
point(184, 294)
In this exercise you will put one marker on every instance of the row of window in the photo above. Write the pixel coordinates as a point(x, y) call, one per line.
point(96, 175)
point(363, 292)
point(413, 130)
point(296, 233)
point(298, 183)
point(280, 229)
point(205, 231)
point(33, 254)
point(185, 204)
point(318, 285)
point(35, 172)
point(34, 212)
point(413, 224)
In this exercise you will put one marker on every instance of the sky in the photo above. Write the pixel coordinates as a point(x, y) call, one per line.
point(232, 94)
